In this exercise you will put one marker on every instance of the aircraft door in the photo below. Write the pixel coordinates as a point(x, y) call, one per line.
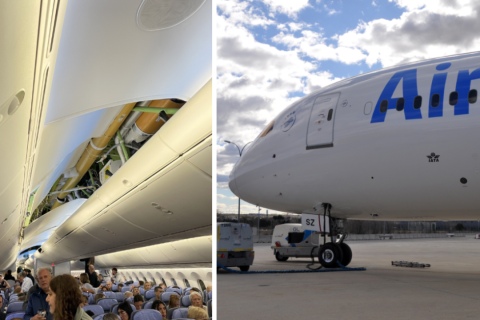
point(320, 125)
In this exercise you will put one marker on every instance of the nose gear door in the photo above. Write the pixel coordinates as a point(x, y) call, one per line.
point(320, 125)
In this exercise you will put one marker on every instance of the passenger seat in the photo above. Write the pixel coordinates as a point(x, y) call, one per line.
point(179, 313)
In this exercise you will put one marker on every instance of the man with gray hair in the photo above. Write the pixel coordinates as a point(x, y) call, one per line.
point(38, 299)
point(26, 282)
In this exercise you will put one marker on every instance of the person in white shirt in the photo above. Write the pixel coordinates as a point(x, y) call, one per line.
point(26, 282)
point(115, 277)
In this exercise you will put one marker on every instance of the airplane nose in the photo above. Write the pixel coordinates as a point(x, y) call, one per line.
point(232, 184)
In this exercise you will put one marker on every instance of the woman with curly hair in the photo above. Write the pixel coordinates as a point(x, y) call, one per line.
point(160, 306)
point(64, 299)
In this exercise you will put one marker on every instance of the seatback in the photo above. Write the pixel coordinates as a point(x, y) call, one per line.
point(180, 313)
point(15, 307)
point(166, 296)
point(114, 288)
point(210, 295)
point(125, 289)
point(110, 294)
point(91, 299)
point(209, 306)
point(119, 296)
point(147, 305)
point(100, 316)
point(130, 300)
point(185, 301)
point(150, 294)
point(179, 291)
point(106, 303)
point(142, 291)
point(170, 312)
point(96, 309)
point(146, 314)
point(11, 283)
point(15, 315)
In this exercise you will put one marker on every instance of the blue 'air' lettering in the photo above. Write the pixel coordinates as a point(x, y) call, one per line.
point(410, 91)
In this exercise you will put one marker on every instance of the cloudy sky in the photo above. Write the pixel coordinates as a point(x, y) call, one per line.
point(271, 52)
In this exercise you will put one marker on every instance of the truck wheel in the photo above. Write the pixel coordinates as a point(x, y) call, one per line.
point(279, 257)
point(244, 268)
point(329, 254)
point(347, 254)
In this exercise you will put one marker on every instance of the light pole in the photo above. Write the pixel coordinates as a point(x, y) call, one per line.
point(240, 151)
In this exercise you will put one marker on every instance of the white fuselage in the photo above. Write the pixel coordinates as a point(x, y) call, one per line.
point(364, 161)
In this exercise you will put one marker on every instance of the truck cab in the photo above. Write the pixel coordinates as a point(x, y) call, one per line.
point(235, 245)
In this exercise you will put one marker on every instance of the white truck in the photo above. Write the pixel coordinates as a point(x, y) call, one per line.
point(235, 245)
point(290, 240)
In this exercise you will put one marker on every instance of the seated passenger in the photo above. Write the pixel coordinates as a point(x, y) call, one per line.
point(209, 288)
point(119, 287)
point(17, 289)
point(164, 286)
point(160, 307)
point(138, 301)
point(100, 278)
point(174, 301)
point(84, 301)
point(140, 283)
point(22, 296)
point(135, 291)
point(197, 301)
point(99, 296)
point(110, 316)
point(64, 299)
point(196, 290)
point(147, 286)
point(197, 313)
point(124, 310)
point(26, 282)
point(4, 285)
point(158, 293)
point(2, 314)
point(85, 285)
point(128, 294)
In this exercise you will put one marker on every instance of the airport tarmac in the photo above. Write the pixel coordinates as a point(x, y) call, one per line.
point(449, 289)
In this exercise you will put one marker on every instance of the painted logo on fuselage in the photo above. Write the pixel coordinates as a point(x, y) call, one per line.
point(433, 158)
point(410, 92)
point(288, 121)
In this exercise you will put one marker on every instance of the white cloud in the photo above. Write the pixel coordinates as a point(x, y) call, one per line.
point(219, 195)
point(429, 29)
point(374, 4)
point(288, 7)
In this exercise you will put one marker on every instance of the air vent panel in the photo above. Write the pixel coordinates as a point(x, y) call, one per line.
point(156, 15)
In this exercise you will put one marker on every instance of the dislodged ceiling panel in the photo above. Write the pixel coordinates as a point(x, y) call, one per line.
point(115, 61)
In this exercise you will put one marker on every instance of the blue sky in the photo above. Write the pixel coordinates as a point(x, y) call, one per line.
point(271, 52)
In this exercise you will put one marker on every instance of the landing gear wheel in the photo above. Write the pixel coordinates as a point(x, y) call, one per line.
point(279, 257)
point(347, 254)
point(329, 254)
point(244, 268)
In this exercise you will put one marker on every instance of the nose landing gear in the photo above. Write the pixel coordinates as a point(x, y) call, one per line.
point(336, 250)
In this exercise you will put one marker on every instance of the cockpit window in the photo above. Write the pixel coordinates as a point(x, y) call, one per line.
point(267, 129)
